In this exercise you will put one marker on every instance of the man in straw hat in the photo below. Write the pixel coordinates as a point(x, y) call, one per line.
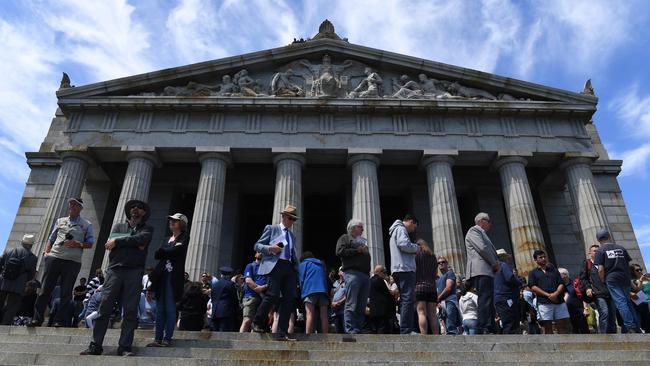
point(127, 245)
point(62, 260)
point(17, 266)
point(506, 294)
point(278, 247)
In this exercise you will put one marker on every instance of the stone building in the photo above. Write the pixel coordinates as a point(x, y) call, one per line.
point(340, 131)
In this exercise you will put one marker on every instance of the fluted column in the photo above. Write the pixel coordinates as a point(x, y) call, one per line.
point(588, 208)
point(205, 235)
point(365, 202)
point(448, 238)
point(525, 230)
point(288, 190)
point(69, 183)
point(137, 182)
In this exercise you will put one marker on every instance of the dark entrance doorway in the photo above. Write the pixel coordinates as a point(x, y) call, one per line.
point(256, 213)
point(324, 221)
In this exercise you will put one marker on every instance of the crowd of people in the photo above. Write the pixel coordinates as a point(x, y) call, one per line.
point(282, 294)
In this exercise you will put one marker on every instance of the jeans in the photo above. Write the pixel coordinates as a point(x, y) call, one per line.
point(357, 285)
point(453, 317)
point(606, 315)
point(406, 285)
point(470, 326)
point(165, 310)
point(621, 295)
point(484, 286)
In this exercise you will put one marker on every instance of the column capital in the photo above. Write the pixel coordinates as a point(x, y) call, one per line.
point(509, 159)
point(355, 158)
point(289, 156)
point(79, 155)
point(430, 159)
point(225, 157)
point(143, 155)
point(571, 160)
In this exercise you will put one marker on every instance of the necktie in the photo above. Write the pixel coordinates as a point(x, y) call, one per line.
point(287, 248)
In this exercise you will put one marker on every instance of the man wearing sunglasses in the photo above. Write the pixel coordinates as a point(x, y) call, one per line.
point(127, 245)
point(277, 245)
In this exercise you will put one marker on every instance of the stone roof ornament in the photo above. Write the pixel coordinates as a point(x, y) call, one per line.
point(65, 82)
point(588, 89)
point(326, 30)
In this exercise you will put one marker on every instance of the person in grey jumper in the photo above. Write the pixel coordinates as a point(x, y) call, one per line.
point(13, 289)
point(482, 264)
point(402, 259)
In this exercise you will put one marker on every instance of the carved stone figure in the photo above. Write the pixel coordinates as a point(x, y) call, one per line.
point(407, 89)
point(463, 91)
point(433, 88)
point(588, 89)
point(282, 86)
point(65, 82)
point(370, 87)
point(247, 86)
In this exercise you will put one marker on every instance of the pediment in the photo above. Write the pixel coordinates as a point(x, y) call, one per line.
point(324, 69)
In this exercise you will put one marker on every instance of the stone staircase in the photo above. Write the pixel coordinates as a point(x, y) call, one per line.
point(49, 346)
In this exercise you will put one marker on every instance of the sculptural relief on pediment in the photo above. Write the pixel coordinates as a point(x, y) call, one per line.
point(322, 78)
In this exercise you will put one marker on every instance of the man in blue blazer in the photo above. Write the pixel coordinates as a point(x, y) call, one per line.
point(280, 264)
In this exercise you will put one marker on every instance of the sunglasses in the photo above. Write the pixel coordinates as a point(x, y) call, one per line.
point(442, 262)
point(292, 218)
point(638, 270)
point(141, 207)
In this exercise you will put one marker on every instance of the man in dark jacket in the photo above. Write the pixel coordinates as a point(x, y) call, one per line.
point(382, 303)
point(17, 266)
point(128, 252)
point(506, 294)
point(224, 301)
point(593, 288)
point(352, 248)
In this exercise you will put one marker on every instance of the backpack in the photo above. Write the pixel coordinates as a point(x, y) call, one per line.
point(579, 287)
point(13, 267)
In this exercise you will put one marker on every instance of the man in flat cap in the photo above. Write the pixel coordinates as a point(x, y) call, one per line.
point(62, 260)
point(123, 282)
point(224, 301)
point(17, 266)
point(613, 263)
point(280, 263)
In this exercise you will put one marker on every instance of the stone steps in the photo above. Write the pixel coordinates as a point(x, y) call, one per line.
point(50, 346)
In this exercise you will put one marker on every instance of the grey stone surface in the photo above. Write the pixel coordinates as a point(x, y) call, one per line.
point(288, 190)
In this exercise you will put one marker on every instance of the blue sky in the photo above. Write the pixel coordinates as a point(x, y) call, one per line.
point(553, 42)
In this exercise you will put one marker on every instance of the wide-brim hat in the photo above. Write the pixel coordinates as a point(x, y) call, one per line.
point(28, 239)
point(502, 253)
point(131, 203)
point(290, 211)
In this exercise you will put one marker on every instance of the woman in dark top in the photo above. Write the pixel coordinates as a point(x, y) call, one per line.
point(642, 309)
point(193, 307)
point(426, 267)
point(167, 279)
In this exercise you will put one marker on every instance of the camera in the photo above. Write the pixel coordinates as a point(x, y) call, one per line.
point(69, 236)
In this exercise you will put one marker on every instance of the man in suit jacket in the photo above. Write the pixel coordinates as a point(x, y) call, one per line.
point(482, 263)
point(224, 301)
point(12, 289)
point(280, 263)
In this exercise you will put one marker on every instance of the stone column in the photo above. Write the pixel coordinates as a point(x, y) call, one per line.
point(205, 233)
point(525, 230)
point(137, 182)
point(365, 202)
point(448, 240)
point(586, 202)
point(288, 190)
point(69, 183)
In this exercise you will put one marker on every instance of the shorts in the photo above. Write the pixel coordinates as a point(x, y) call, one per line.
point(250, 306)
point(426, 296)
point(552, 312)
point(317, 299)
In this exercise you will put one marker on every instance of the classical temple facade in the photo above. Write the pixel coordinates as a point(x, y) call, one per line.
point(340, 131)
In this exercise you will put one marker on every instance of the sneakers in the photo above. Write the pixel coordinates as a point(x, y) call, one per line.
point(92, 350)
point(34, 324)
point(123, 352)
point(258, 329)
point(285, 338)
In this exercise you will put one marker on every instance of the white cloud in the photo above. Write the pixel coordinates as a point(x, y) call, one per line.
point(635, 161)
point(633, 110)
